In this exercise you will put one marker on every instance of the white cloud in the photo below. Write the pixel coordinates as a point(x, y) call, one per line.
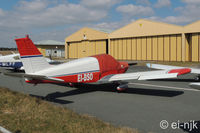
point(109, 26)
point(187, 13)
point(58, 35)
point(71, 13)
point(32, 6)
point(99, 3)
point(176, 19)
point(172, 19)
point(2, 13)
point(191, 1)
point(133, 10)
point(38, 14)
point(162, 3)
point(143, 2)
point(45, 16)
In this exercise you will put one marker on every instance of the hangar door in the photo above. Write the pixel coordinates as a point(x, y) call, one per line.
point(195, 47)
point(159, 48)
point(87, 48)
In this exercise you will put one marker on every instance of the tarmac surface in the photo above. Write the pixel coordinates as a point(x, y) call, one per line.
point(143, 106)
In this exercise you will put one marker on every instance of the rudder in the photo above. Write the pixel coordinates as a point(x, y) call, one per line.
point(31, 57)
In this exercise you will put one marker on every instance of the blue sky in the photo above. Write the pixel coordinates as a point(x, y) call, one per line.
point(56, 19)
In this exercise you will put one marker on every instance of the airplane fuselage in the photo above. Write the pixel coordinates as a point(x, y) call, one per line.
point(11, 61)
point(14, 65)
point(84, 70)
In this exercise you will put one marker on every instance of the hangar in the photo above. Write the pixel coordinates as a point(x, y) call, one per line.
point(86, 42)
point(141, 40)
point(157, 41)
point(51, 48)
point(147, 40)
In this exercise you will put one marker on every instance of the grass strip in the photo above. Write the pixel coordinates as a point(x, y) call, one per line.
point(22, 113)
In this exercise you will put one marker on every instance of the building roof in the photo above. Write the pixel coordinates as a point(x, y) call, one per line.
point(49, 42)
point(193, 27)
point(86, 34)
point(143, 27)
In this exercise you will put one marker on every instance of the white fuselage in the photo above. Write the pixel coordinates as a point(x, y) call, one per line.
point(83, 65)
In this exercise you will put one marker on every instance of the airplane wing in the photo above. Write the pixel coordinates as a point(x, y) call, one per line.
point(38, 77)
point(168, 67)
point(161, 74)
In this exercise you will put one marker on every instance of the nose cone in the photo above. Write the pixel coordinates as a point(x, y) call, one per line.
point(124, 66)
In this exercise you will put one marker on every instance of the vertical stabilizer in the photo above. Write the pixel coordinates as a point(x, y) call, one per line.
point(31, 57)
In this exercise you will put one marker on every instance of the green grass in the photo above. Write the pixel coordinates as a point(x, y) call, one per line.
point(21, 113)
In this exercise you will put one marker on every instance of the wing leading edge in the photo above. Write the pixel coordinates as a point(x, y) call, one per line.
point(161, 74)
point(168, 67)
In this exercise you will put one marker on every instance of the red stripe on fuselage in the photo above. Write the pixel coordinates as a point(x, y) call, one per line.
point(81, 78)
point(77, 78)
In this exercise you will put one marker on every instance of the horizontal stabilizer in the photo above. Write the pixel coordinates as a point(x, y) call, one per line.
point(38, 77)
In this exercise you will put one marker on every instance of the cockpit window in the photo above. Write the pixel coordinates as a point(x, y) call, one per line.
point(16, 57)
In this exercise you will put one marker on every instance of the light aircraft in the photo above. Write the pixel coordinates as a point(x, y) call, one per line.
point(99, 69)
point(13, 61)
point(168, 67)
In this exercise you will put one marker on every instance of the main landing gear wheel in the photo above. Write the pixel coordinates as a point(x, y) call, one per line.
point(122, 88)
point(71, 85)
point(197, 78)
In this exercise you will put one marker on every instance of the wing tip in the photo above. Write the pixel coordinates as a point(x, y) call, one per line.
point(180, 71)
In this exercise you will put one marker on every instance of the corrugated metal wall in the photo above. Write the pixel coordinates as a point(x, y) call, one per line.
point(195, 46)
point(187, 48)
point(86, 48)
point(158, 48)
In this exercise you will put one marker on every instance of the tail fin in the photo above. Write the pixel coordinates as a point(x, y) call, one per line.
point(31, 57)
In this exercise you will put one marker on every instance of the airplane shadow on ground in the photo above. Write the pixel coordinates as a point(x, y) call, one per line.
point(88, 88)
point(191, 128)
point(52, 99)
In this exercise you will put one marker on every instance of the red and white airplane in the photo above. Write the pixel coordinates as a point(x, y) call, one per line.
point(94, 69)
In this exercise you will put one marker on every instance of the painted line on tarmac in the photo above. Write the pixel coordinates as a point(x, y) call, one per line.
point(3, 130)
point(169, 87)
